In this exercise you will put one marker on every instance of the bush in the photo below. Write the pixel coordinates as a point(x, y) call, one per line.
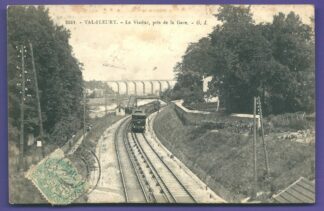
point(289, 121)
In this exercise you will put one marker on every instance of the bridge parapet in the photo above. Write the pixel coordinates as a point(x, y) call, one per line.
point(134, 82)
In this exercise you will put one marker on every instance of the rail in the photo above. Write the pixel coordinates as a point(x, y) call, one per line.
point(119, 162)
point(135, 167)
point(186, 190)
point(166, 192)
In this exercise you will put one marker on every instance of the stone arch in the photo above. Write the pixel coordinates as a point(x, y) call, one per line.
point(160, 86)
point(152, 87)
point(118, 88)
point(115, 82)
point(126, 85)
point(168, 83)
point(143, 83)
point(135, 87)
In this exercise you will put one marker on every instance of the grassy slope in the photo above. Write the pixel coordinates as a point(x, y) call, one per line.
point(224, 160)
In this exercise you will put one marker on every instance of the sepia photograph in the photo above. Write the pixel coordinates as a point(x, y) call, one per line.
point(161, 104)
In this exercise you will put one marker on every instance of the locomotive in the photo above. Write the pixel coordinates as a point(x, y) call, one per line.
point(138, 121)
point(139, 115)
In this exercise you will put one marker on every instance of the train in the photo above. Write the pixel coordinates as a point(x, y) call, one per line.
point(139, 115)
point(138, 121)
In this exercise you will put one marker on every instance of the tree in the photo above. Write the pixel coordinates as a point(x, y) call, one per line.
point(293, 47)
point(59, 73)
point(242, 58)
point(188, 86)
point(197, 57)
point(195, 64)
point(93, 84)
point(274, 61)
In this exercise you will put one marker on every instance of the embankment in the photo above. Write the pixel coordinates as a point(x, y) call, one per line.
point(224, 160)
point(22, 191)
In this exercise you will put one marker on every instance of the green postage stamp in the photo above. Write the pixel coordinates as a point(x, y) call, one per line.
point(57, 179)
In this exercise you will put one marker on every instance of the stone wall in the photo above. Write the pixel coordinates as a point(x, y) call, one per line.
point(216, 120)
point(189, 117)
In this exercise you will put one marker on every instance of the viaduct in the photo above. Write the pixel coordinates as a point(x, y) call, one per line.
point(143, 82)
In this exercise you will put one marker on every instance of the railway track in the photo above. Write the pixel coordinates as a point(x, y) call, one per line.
point(160, 190)
point(133, 189)
point(145, 177)
point(175, 190)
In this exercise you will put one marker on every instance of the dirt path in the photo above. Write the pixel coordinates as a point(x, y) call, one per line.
point(109, 188)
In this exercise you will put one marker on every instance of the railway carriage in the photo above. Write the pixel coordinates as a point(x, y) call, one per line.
point(147, 108)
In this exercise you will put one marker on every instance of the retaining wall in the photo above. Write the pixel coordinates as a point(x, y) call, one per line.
point(195, 117)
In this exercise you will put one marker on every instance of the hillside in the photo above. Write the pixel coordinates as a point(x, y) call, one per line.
point(223, 159)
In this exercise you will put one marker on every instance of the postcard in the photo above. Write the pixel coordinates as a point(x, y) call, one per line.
point(161, 104)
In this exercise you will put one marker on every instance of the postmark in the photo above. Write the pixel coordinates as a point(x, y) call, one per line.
point(57, 179)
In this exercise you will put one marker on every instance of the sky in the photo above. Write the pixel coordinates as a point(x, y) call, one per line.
point(133, 42)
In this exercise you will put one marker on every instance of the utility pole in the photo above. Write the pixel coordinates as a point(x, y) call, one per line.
point(84, 113)
point(22, 109)
point(40, 120)
point(117, 100)
point(255, 189)
point(263, 141)
point(106, 102)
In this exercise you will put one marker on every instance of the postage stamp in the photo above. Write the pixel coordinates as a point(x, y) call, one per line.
point(57, 179)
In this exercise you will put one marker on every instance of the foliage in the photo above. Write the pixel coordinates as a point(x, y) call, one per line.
point(93, 84)
point(292, 45)
point(223, 159)
point(274, 61)
point(188, 87)
point(59, 72)
point(190, 71)
point(288, 121)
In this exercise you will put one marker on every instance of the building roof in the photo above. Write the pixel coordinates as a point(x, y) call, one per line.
point(301, 191)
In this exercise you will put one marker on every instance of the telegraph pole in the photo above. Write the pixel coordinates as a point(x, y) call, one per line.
point(41, 132)
point(106, 101)
point(84, 113)
point(22, 109)
point(117, 100)
point(255, 189)
point(263, 141)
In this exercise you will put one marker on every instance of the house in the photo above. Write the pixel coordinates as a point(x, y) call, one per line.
point(120, 110)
